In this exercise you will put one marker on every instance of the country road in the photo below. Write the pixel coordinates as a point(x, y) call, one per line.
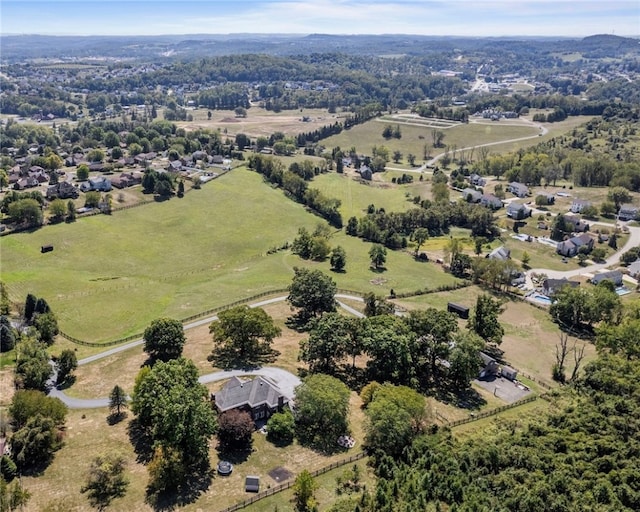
point(285, 380)
point(434, 160)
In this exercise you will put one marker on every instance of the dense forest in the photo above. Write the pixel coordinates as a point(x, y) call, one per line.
point(583, 456)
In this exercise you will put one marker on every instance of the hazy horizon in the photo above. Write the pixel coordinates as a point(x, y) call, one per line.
point(461, 18)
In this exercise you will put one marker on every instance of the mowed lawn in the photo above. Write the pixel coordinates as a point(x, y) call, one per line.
point(109, 276)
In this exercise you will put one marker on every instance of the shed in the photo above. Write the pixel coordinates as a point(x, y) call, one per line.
point(252, 484)
point(509, 373)
point(46, 248)
point(458, 309)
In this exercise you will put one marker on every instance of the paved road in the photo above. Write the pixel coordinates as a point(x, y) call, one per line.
point(285, 380)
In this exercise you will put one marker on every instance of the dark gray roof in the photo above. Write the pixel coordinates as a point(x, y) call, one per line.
point(612, 275)
point(237, 393)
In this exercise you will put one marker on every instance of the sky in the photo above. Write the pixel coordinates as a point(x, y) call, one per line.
point(572, 18)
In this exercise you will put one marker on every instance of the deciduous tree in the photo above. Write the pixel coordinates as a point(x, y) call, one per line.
point(304, 489)
point(27, 403)
point(281, 428)
point(484, 320)
point(395, 416)
point(174, 408)
point(32, 364)
point(338, 259)
point(326, 344)
point(106, 480)
point(164, 339)
point(313, 292)
point(66, 364)
point(464, 359)
point(235, 428)
point(378, 255)
point(322, 410)
point(243, 336)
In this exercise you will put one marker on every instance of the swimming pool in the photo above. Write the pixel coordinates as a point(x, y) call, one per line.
point(541, 298)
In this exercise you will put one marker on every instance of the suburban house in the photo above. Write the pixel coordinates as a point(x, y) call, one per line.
point(518, 189)
point(579, 204)
point(501, 253)
point(62, 190)
point(365, 172)
point(575, 222)
point(518, 211)
point(572, 246)
point(127, 179)
point(489, 366)
point(477, 180)
point(471, 195)
point(615, 276)
point(628, 212)
point(551, 286)
point(491, 201)
point(634, 269)
point(260, 397)
point(99, 183)
point(550, 198)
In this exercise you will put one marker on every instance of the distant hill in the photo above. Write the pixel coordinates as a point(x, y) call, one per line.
point(20, 47)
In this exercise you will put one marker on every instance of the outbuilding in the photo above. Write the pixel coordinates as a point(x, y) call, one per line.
point(458, 309)
point(252, 484)
point(509, 373)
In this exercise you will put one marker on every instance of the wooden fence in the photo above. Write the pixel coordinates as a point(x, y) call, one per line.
point(492, 412)
point(202, 314)
point(289, 483)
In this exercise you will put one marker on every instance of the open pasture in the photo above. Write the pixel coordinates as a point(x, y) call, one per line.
point(259, 121)
point(363, 137)
point(109, 276)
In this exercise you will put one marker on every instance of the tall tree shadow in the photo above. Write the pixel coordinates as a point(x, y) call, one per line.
point(464, 399)
point(141, 441)
point(196, 483)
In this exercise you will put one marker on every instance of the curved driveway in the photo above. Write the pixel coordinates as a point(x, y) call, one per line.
point(285, 380)
point(633, 241)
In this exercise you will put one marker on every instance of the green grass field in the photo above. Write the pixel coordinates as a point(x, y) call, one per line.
point(369, 134)
point(355, 196)
point(109, 276)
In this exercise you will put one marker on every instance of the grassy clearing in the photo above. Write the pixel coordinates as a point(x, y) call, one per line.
point(355, 196)
point(521, 415)
point(260, 122)
point(363, 137)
